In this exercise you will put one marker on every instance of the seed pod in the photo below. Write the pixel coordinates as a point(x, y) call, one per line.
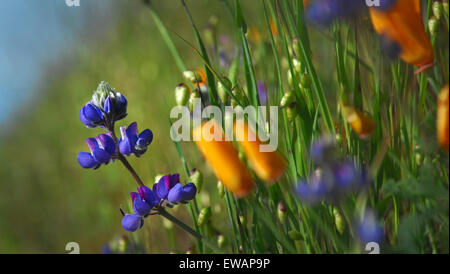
point(281, 212)
point(195, 94)
point(222, 90)
point(305, 81)
point(204, 216)
point(196, 177)
point(242, 219)
point(437, 9)
point(442, 118)
point(221, 241)
point(338, 221)
point(288, 98)
point(192, 76)
point(433, 25)
point(224, 159)
point(181, 94)
point(268, 165)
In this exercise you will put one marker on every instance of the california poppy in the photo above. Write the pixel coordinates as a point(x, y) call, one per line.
point(442, 118)
point(224, 160)
point(402, 24)
point(269, 166)
point(361, 123)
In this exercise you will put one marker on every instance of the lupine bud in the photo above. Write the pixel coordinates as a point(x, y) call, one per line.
point(281, 212)
point(192, 76)
point(437, 9)
point(433, 25)
point(196, 177)
point(338, 221)
point(195, 94)
point(288, 99)
point(305, 81)
point(295, 235)
point(181, 94)
point(204, 216)
point(221, 241)
point(222, 89)
point(113, 103)
point(220, 189)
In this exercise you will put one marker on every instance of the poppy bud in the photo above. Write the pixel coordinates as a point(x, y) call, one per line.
point(433, 25)
point(288, 99)
point(442, 118)
point(338, 221)
point(181, 94)
point(305, 81)
point(192, 76)
point(281, 212)
point(192, 103)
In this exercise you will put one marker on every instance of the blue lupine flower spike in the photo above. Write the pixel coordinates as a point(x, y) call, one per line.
point(182, 194)
point(133, 143)
point(165, 184)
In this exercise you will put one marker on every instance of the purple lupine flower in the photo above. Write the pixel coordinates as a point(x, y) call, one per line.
point(91, 115)
point(165, 184)
point(182, 194)
point(368, 229)
point(102, 148)
point(112, 104)
point(324, 12)
point(133, 143)
point(131, 222)
point(262, 93)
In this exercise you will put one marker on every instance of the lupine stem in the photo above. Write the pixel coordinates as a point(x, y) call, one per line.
point(182, 225)
point(130, 169)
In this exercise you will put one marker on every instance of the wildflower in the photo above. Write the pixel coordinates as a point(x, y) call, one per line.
point(269, 166)
point(224, 160)
point(324, 12)
point(401, 23)
point(361, 123)
point(143, 201)
point(102, 148)
point(169, 188)
point(91, 115)
point(443, 118)
point(133, 143)
point(262, 93)
point(368, 229)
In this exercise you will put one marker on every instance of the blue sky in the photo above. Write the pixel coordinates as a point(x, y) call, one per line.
point(32, 34)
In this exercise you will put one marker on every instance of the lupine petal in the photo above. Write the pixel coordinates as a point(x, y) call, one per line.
point(189, 191)
point(145, 138)
point(133, 196)
point(162, 188)
point(141, 207)
point(108, 143)
point(86, 160)
point(131, 222)
point(109, 105)
point(101, 156)
point(92, 113)
point(175, 194)
point(92, 143)
point(132, 130)
point(345, 174)
point(148, 196)
point(85, 120)
point(174, 179)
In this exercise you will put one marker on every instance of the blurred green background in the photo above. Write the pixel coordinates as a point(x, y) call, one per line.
point(46, 198)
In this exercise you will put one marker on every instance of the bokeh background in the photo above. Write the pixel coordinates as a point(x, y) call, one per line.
point(52, 58)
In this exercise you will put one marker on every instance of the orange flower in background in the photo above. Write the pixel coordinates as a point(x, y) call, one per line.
point(361, 123)
point(442, 118)
point(269, 166)
point(403, 25)
point(224, 160)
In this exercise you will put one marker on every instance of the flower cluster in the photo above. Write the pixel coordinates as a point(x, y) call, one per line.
point(368, 229)
point(166, 192)
point(105, 108)
point(333, 179)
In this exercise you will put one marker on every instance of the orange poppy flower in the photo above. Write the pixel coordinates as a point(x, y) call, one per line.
point(361, 123)
point(269, 166)
point(403, 24)
point(224, 160)
point(442, 118)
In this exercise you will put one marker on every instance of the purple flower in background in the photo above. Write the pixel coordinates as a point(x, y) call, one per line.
point(262, 93)
point(325, 12)
point(102, 148)
point(368, 229)
point(133, 143)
